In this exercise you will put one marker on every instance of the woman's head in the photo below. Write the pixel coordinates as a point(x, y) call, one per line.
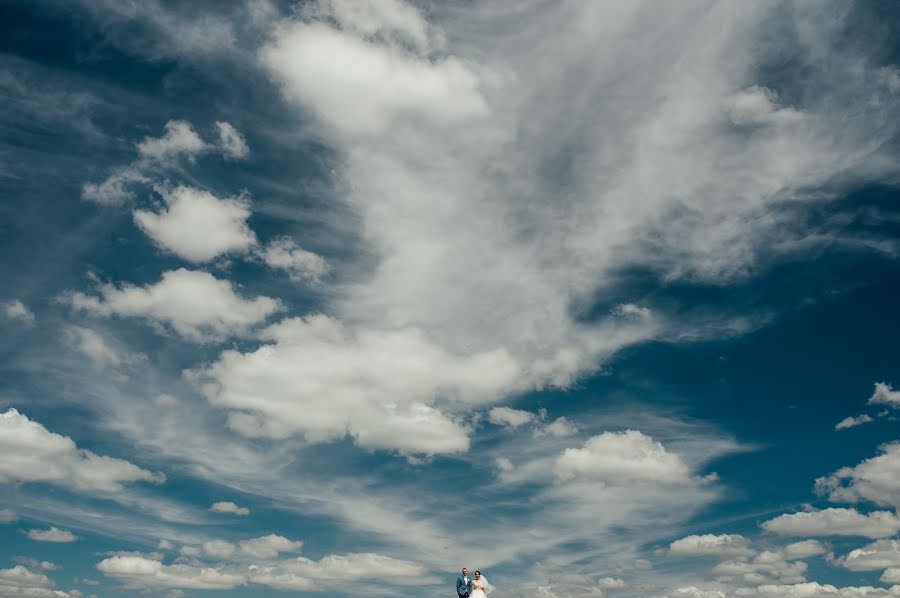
point(478, 574)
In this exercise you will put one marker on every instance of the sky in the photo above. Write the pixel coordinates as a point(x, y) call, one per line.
point(336, 297)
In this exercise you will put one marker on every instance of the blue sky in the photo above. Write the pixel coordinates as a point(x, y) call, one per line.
point(338, 297)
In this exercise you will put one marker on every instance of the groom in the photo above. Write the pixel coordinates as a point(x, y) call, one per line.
point(463, 584)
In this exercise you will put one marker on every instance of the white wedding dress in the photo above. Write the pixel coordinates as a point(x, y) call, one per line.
point(480, 588)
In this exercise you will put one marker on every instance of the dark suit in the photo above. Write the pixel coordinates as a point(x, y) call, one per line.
point(463, 586)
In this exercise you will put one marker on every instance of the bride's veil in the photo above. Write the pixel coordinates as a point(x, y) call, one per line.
point(488, 588)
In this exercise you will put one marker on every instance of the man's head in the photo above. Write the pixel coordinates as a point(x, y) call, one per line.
point(465, 571)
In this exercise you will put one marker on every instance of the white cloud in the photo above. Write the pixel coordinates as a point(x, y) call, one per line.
point(19, 581)
point(16, 310)
point(114, 189)
point(561, 427)
point(92, 344)
point(231, 142)
point(885, 394)
point(179, 140)
point(610, 583)
point(194, 303)
point(33, 454)
point(324, 381)
point(759, 105)
point(876, 480)
point(430, 135)
point(814, 590)
point(835, 522)
point(504, 416)
point(880, 554)
point(269, 547)
point(196, 225)
point(765, 567)
point(305, 574)
point(328, 70)
point(891, 575)
point(852, 422)
point(711, 545)
point(393, 21)
point(35, 564)
point(804, 549)
point(8, 516)
point(618, 457)
point(156, 154)
point(695, 592)
point(631, 310)
point(294, 574)
point(229, 507)
point(300, 264)
point(53, 534)
point(144, 573)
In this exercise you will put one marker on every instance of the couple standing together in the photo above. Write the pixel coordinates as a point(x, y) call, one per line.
point(476, 587)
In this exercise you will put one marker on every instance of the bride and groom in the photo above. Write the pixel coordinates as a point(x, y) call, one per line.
point(476, 587)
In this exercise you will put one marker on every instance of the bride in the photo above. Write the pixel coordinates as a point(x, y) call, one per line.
point(480, 586)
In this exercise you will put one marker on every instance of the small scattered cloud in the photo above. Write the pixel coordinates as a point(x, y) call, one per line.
point(229, 507)
point(194, 303)
point(231, 142)
point(835, 522)
point(618, 457)
point(16, 310)
point(196, 225)
point(180, 139)
point(513, 418)
point(885, 394)
point(8, 516)
point(711, 545)
point(852, 422)
point(37, 565)
point(53, 534)
point(561, 427)
point(301, 265)
point(156, 154)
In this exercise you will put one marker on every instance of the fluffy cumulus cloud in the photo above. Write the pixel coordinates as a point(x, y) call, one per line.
point(229, 507)
point(143, 573)
point(305, 574)
point(880, 554)
point(292, 574)
point(194, 303)
point(876, 480)
point(196, 225)
point(52, 534)
point(835, 522)
point(319, 379)
point(31, 453)
point(19, 581)
point(16, 310)
point(804, 549)
point(711, 545)
point(231, 142)
point(816, 590)
point(885, 394)
point(300, 264)
point(618, 457)
point(765, 567)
